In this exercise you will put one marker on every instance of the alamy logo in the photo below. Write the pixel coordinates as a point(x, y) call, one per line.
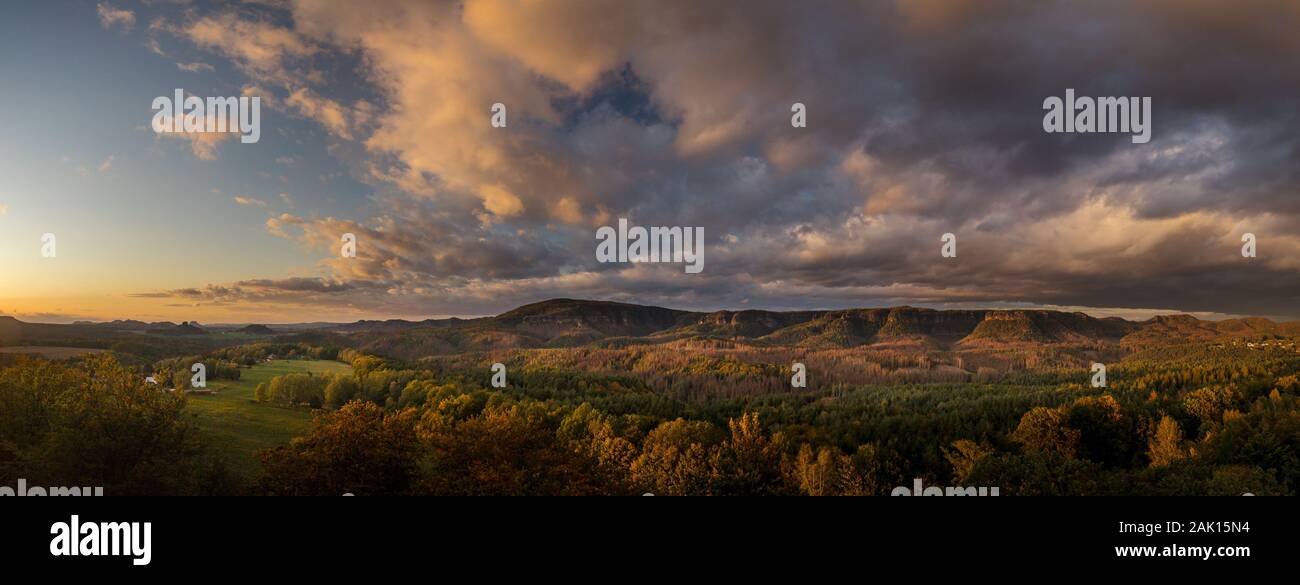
point(200, 377)
point(95, 539)
point(1103, 114)
point(919, 490)
point(1098, 375)
point(24, 490)
point(242, 115)
point(49, 246)
point(498, 375)
point(656, 244)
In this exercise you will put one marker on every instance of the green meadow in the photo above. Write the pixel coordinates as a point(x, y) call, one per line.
point(235, 425)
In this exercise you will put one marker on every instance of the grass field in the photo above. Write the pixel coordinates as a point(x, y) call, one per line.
point(235, 425)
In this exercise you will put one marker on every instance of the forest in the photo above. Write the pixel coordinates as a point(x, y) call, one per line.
point(697, 418)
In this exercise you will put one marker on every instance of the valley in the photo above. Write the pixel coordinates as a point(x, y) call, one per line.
point(613, 398)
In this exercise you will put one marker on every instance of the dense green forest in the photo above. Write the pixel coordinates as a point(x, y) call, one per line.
point(1209, 417)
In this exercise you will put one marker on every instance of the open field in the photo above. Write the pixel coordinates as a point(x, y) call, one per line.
point(238, 427)
point(54, 353)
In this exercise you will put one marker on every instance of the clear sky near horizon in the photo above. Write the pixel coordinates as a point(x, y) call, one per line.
point(135, 213)
point(924, 118)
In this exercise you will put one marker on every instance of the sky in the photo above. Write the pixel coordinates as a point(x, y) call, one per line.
point(924, 117)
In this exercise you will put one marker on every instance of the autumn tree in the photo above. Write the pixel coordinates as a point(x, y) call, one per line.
point(1106, 435)
point(1045, 430)
point(963, 455)
point(748, 463)
point(1166, 445)
point(674, 458)
point(340, 390)
point(96, 424)
point(506, 451)
point(821, 472)
point(357, 449)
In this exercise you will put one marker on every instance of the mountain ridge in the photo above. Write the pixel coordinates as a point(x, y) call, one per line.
point(567, 322)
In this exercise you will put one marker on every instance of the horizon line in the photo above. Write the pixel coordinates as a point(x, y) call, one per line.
point(1094, 312)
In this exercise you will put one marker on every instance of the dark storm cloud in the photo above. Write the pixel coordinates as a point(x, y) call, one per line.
point(925, 117)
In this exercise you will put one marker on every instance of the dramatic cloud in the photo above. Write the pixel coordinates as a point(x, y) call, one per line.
point(924, 118)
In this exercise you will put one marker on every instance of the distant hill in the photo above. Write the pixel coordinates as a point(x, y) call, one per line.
point(128, 325)
point(186, 328)
point(570, 322)
point(387, 325)
point(1165, 329)
point(574, 323)
point(1047, 327)
point(583, 319)
point(15, 332)
point(749, 323)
